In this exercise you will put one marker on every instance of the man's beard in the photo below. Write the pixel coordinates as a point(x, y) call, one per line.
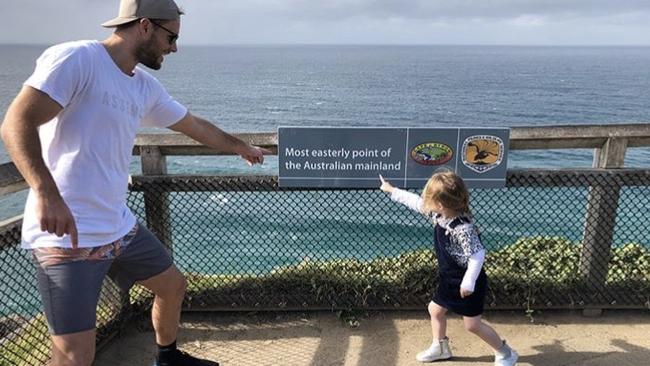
point(148, 56)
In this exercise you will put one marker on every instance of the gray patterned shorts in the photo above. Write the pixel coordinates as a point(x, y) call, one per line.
point(70, 280)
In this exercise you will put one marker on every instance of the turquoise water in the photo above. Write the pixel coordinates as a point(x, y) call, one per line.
point(256, 232)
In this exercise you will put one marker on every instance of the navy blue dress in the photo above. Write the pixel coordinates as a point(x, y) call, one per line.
point(451, 275)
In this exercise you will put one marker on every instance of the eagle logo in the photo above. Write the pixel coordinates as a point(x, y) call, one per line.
point(482, 152)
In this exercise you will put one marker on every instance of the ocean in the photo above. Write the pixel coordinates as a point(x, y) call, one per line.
point(258, 88)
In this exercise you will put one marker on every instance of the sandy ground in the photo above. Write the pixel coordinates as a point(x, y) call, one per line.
point(616, 338)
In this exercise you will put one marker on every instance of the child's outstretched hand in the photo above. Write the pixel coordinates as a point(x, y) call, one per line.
point(385, 186)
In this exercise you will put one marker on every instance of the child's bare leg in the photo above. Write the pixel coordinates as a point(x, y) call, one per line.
point(439, 348)
point(485, 332)
point(438, 321)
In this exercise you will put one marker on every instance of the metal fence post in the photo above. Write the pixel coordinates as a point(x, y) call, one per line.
point(601, 218)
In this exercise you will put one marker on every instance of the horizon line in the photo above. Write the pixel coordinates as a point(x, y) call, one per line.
point(360, 44)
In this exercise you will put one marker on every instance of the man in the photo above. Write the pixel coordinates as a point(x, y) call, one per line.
point(70, 132)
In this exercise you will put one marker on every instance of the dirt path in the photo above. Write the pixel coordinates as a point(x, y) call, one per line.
point(617, 338)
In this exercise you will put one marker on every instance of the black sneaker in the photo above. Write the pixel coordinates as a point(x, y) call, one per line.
point(180, 358)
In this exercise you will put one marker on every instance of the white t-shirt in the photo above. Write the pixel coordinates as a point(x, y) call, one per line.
point(88, 145)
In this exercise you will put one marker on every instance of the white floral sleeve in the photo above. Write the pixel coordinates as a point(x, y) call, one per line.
point(466, 242)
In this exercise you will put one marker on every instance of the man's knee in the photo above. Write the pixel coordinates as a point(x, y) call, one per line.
point(76, 349)
point(169, 284)
point(180, 284)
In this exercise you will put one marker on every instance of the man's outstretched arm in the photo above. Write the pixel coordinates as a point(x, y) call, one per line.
point(212, 136)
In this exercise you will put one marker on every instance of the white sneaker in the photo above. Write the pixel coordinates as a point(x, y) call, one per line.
point(438, 351)
point(499, 360)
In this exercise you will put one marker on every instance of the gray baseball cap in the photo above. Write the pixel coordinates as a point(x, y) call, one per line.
point(131, 10)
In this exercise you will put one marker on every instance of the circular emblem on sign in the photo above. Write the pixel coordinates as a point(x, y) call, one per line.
point(431, 153)
point(482, 153)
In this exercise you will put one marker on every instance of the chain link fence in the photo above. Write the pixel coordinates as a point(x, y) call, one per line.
point(556, 239)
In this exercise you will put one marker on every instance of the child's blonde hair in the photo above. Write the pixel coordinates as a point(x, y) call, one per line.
point(447, 189)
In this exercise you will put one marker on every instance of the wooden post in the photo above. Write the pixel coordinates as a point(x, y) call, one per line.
point(601, 218)
point(156, 204)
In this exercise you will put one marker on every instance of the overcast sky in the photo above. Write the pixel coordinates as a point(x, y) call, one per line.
point(501, 22)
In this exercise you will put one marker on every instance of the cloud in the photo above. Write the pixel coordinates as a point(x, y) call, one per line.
point(351, 21)
point(329, 10)
point(528, 21)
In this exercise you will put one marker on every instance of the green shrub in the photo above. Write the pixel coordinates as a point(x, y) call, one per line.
point(532, 272)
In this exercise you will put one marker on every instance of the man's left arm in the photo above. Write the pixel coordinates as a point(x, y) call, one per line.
point(212, 136)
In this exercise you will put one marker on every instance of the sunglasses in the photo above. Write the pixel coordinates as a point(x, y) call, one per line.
point(172, 37)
